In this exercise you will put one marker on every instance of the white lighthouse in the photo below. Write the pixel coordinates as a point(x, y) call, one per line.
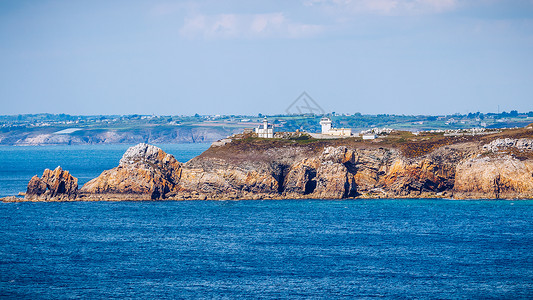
point(327, 130)
point(326, 125)
point(265, 130)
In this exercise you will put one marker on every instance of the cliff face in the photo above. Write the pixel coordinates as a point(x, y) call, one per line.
point(291, 171)
point(53, 185)
point(502, 171)
point(270, 169)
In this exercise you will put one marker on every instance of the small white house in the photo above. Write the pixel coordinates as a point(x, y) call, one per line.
point(326, 129)
point(265, 130)
point(369, 136)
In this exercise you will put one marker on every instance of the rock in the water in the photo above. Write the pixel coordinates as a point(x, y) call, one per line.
point(57, 185)
point(144, 172)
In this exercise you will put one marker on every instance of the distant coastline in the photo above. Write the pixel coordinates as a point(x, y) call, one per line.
point(61, 129)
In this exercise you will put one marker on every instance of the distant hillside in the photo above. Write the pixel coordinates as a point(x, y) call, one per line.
point(147, 134)
point(62, 129)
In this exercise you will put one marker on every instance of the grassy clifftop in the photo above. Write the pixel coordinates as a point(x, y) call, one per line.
point(411, 145)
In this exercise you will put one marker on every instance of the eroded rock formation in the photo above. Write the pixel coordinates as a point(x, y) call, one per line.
point(53, 185)
point(494, 177)
point(144, 172)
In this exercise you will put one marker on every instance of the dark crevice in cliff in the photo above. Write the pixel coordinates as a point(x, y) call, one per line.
point(429, 186)
point(155, 195)
point(279, 174)
point(310, 181)
point(350, 190)
point(60, 189)
point(497, 187)
point(350, 167)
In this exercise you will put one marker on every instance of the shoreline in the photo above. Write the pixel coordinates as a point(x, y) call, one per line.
point(13, 199)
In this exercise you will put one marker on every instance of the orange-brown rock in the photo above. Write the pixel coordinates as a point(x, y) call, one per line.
point(335, 172)
point(301, 177)
point(433, 173)
point(488, 167)
point(494, 177)
point(144, 172)
point(53, 185)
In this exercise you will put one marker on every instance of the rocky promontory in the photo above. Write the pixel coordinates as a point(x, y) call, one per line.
point(492, 167)
point(144, 172)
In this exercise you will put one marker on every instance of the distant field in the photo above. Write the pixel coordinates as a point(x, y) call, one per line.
point(65, 129)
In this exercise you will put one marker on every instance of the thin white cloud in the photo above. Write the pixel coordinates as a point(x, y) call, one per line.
point(272, 25)
point(385, 7)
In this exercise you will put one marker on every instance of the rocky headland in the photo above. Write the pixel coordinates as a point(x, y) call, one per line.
point(496, 166)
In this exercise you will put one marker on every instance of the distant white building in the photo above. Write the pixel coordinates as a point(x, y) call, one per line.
point(369, 136)
point(265, 130)
point(326, 129)
point(326, 125)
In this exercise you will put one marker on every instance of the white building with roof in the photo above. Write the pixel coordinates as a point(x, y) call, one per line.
point(369, 136)
point(327, 130)
point(265, 130)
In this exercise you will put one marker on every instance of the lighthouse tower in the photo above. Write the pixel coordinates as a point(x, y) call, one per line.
point(326, 125)
point(265, 130)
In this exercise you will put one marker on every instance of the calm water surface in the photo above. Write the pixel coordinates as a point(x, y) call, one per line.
point(252, 249)
point(271, 249)
point(19, 164)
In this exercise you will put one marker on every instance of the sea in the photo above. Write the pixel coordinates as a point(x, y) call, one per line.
point(19, 163)
point(271, 249)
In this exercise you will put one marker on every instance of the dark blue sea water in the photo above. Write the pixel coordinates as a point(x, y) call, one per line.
point(267, 249)
point(19, 164)
point(252, 249)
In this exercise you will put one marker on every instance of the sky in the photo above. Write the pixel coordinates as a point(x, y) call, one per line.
point(248, 57)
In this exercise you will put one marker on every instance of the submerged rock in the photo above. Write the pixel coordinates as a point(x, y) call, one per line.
point(57, 185)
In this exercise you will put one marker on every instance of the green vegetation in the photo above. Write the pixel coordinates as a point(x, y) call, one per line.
point(306, 122)
point(16, 129)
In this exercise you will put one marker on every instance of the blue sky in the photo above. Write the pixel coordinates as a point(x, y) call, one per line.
point(249, 57)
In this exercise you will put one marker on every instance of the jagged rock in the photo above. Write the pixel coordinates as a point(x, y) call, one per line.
point(334, 172)
point(330, 175)
point(144, 172)
point(500, 144)
point(11, 199)
point(494, 177)
point(57, 184)
point(333, 181)
point(370, 165)
point(301, 177)
point(413, 178)
point(223, 178)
